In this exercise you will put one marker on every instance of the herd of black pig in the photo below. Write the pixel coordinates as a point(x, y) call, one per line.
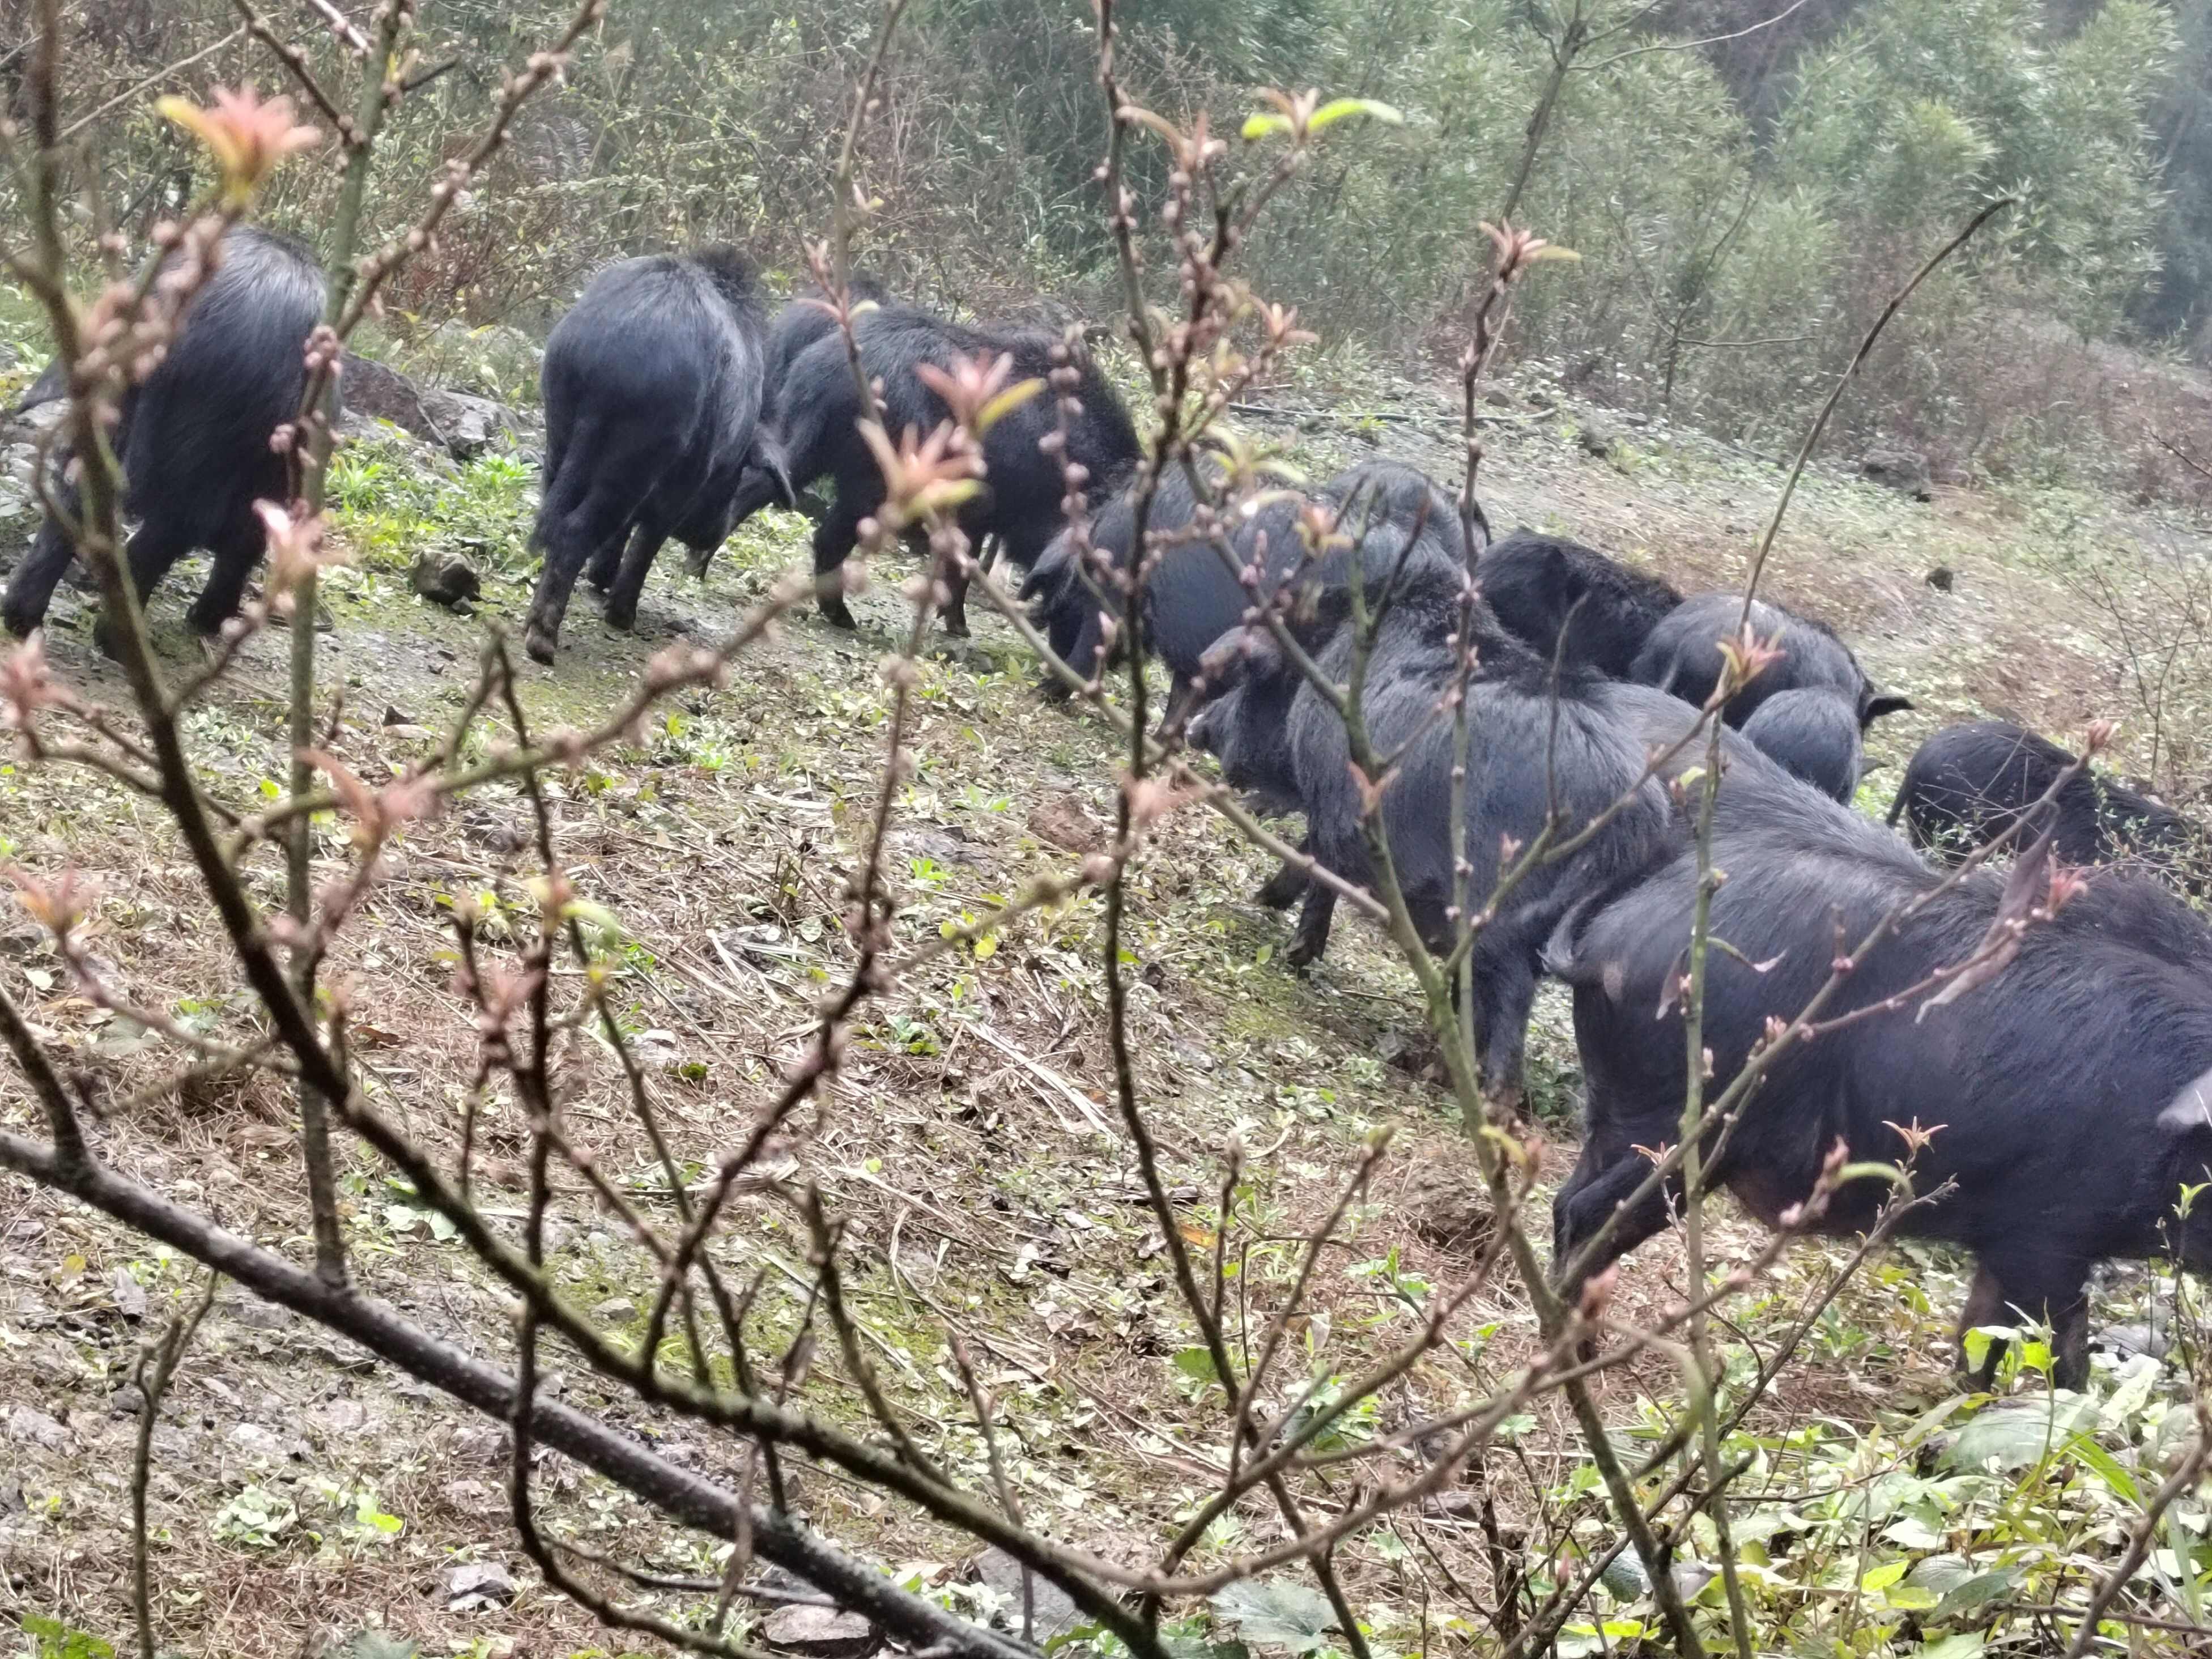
point(2065, 1100)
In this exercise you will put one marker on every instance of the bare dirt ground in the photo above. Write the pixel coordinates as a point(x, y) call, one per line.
point(305, 1493)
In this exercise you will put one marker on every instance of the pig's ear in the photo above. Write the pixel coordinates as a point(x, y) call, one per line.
point(51, 385)
point(2191, 1110)
point(1238, 651)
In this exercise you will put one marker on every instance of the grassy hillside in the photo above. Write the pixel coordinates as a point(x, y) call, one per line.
point(308, 1494)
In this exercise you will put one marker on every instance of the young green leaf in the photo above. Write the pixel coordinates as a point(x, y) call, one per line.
point(1195, 1362)
point(1338, 109)
point(1884, 1576)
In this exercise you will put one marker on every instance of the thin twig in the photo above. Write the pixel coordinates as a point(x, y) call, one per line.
point(2183, 1479)
point(152, 81)
point(1843, 382)
point(155, 1370)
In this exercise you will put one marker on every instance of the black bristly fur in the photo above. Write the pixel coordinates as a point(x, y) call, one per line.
point(2063, 1088)
point(1812, 732)
point(1683, 656)
point(652, 386)
point(1968, 784)
point(1530, 729)
point(1541, 587)
point(194, 437)
point(815, 424)
point(797, 325)
point(1191, 597)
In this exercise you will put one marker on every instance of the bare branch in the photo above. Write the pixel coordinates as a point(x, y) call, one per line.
point(155, 1370)
point(159, 77)
point(1843, 382)
point(685, 1497)
point(2182, 1480)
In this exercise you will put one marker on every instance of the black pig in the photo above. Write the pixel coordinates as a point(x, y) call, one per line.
point(1383, 510)
point(194, 437)
point(1969, 784)
point(1535, 584)
point(818, 409)
point(652, 397)
point(1532, 734)
point(1814, 733)
point(802, 321)
point(1683, 656)
point(2064, 1088)
point(797, 325)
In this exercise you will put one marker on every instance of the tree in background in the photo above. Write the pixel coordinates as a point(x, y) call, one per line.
point(1745, 178)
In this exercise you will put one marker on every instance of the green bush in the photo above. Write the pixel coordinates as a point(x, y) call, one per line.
point(1739, 226)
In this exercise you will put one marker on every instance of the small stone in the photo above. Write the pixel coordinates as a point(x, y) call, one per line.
point(1062, 821)
point(469, 1497)
point(370, 389)
point(1447, 1205)
point(485, 1441)
point(942, 847)
point(342, 1417)
point(39, 417)
point(478, 1585)
point(1190, 1055)
point(1690, 1576)
point(130, 1295)
point(2134, 1339)
point(23, 941)
point(1942, 578)
point(126, 1401)
point(615, 1310)
point(1597, 439)
point(1051, 1609)
point(260, 1315)
point(1499, 397)
point(255, 1441)
point(820, 1633)
point(48, 391)
point(28, 1428)
point(467, 425)
point(11, 1499)
point(445, 579)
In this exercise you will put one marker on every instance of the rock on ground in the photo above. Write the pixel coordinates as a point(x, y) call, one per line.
point(1064, 822)
point(375, 391)
point(28, 1428)
point(466, 424)
point(820, 1633)
point(446, 579)
point(1597, 439)
point(478, 1584)
point(1052, 1611)
point(1447, 1206)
